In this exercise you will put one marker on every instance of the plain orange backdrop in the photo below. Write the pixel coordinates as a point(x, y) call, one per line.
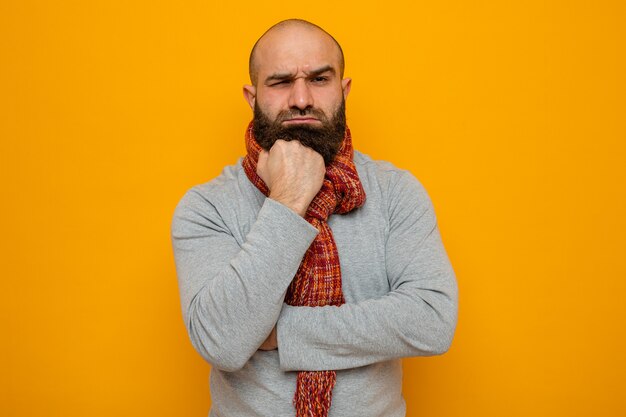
point(512, 114)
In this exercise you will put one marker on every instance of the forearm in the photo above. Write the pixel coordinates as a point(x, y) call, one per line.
point(233, 293)
point(417, 318)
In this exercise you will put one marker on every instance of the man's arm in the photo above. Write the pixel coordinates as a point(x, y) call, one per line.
point(416, 318)
point(232, 294)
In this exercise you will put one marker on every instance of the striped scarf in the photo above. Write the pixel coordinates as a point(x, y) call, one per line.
point(318, 279)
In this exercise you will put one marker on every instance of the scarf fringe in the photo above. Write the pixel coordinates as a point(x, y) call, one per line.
point(314, 391)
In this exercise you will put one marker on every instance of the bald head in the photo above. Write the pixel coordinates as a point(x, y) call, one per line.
point(285, 31)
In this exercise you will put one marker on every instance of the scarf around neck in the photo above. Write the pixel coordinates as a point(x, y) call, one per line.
point(318, 279)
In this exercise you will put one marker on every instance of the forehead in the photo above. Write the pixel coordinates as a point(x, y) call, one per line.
point(295, 49)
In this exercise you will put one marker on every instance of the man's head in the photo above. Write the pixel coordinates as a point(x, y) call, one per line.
point(298, 91)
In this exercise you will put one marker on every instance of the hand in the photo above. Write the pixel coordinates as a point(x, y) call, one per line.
point(293, 172)
point(271, 342)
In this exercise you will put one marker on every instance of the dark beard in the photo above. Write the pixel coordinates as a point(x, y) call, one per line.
point(325, 140)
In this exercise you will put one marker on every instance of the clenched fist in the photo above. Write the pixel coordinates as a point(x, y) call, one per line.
point(293, 172)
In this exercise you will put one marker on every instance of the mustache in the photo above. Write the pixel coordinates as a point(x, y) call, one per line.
point(293, 113)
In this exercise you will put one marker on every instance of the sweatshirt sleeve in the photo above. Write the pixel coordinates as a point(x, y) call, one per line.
point(232, 293)
point(416, 318)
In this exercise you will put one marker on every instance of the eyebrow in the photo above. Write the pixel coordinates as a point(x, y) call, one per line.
point(279, 76)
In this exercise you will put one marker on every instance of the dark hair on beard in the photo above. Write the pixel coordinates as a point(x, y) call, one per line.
point(325, 140)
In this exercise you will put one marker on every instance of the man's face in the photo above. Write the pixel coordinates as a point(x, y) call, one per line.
point(299, 93)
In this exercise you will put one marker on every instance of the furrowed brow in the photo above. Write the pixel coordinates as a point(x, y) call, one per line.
point(279, 76)
point(320, 71)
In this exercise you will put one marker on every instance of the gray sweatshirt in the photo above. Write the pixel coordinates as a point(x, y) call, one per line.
point(236, 252)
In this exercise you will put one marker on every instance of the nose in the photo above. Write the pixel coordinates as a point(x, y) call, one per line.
point(300, 96)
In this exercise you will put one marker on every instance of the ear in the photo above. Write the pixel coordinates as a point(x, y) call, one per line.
point(249, 93)
point(346, 83)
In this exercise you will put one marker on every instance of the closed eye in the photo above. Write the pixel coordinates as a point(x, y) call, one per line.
point(282, 82)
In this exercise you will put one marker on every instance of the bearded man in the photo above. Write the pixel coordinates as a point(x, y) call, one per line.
point(308, 270)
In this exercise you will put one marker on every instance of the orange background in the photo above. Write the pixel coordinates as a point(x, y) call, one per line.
point(512, 114)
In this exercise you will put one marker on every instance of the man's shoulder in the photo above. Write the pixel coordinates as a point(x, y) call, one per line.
point(380, 172)
point(378, 167)
point(218, 193)
point(382, 179)
point(226, 183)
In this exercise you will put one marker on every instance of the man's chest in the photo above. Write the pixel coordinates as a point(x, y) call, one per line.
point(360, 237)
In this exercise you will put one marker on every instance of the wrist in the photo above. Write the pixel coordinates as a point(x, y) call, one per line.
point(296, 206)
